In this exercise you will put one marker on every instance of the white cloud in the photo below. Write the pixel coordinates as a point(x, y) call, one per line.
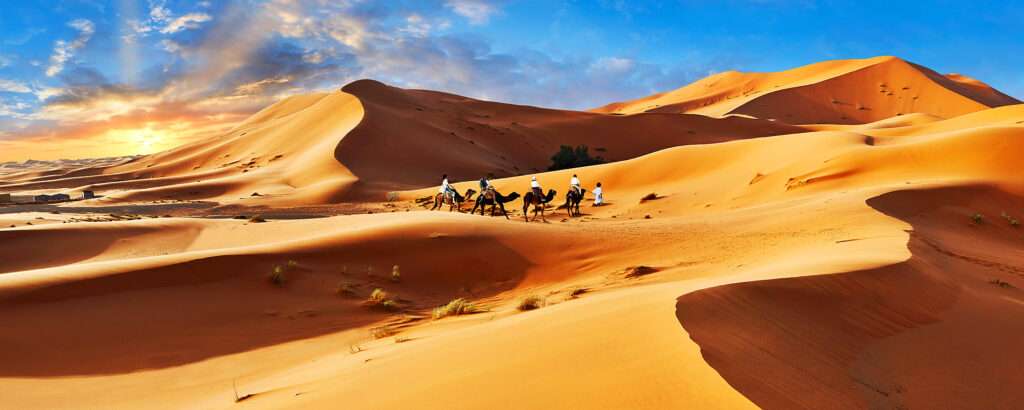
point(44, 93)
point(613, 65)
point(476, 11)
point(171, 46)
point(5, 61)
point(64, 51)
point(159, 12)
point(13, 87)
point(186, 22)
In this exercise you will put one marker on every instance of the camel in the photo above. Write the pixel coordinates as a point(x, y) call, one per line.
point(531, 198)
point(495, 199)
point(572, 201)
point(453, 203)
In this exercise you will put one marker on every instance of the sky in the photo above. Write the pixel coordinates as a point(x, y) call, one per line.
point(95, 78)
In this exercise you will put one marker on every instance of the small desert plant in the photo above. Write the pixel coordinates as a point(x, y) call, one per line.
point(378, 296)
point(277, 276)
point(649, 197)
point(381, 332)
point(292, 264)
point(345, 289)
point(257, 219)
point(456, 307)
point(390, 305)
point(576, 292)
point(977, 218)
point(1000, 283)
point(396, 274)
point(402, 339)
point(1013, 221)
point(530, 303)
point(638, 271)
point(353, 349)
point(380, 299)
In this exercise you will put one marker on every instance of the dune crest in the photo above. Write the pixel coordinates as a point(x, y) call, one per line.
point(835, 92)
point(737, 262)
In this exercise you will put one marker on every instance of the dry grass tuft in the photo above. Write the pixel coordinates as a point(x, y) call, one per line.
point(638, 271)
point(381, 332)
point(456, 307)
point(345, 289)
point(277, 276)
point(381, 300)
point(531, 302)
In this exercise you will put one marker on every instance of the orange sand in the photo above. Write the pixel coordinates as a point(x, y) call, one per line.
point(829, 265)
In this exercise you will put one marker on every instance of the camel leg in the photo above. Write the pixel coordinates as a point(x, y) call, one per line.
point(503, 211)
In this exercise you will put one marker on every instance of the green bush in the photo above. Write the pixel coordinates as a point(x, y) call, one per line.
point(569, 157)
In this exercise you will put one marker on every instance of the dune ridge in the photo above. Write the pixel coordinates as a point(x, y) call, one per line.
point(750, 264)
point(834, 92)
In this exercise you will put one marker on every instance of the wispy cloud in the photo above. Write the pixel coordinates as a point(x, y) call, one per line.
point(13, 87)
point(186, 22)
point(476, 11)
point(246, 56)
point(65, 50)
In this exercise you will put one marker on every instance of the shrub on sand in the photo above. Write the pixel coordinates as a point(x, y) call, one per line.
point(380, 299)
point(345, 289)
point(382, 331)
point(456, 307)
point(378, 296)
point(977, 218)
point(530, 303)
point(638, 271)
point(277, 276)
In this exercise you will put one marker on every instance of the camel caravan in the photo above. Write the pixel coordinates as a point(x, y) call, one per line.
point(535, 197)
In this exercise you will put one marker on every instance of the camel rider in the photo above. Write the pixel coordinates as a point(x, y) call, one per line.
point(446, 188)
point(485, 185)
point(535, 186)
point(574, 184)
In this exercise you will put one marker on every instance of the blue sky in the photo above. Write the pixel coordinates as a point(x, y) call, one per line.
point(93, 77)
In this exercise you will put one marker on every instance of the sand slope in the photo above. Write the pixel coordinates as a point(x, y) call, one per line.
point(835, 92)
point(834, 266)
point(371, 138)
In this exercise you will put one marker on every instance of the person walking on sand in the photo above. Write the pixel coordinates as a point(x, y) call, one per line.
point(598, 195)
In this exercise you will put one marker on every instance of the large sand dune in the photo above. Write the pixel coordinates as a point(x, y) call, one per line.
point(855, 264)
point(835, 92)
point(370, 138)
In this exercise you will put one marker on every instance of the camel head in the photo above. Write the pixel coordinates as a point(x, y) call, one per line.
point(551, 195)
point(469, 193)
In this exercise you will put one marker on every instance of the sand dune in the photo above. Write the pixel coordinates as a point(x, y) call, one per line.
point(323, 148)
point(848, 264)
point(835, 92)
